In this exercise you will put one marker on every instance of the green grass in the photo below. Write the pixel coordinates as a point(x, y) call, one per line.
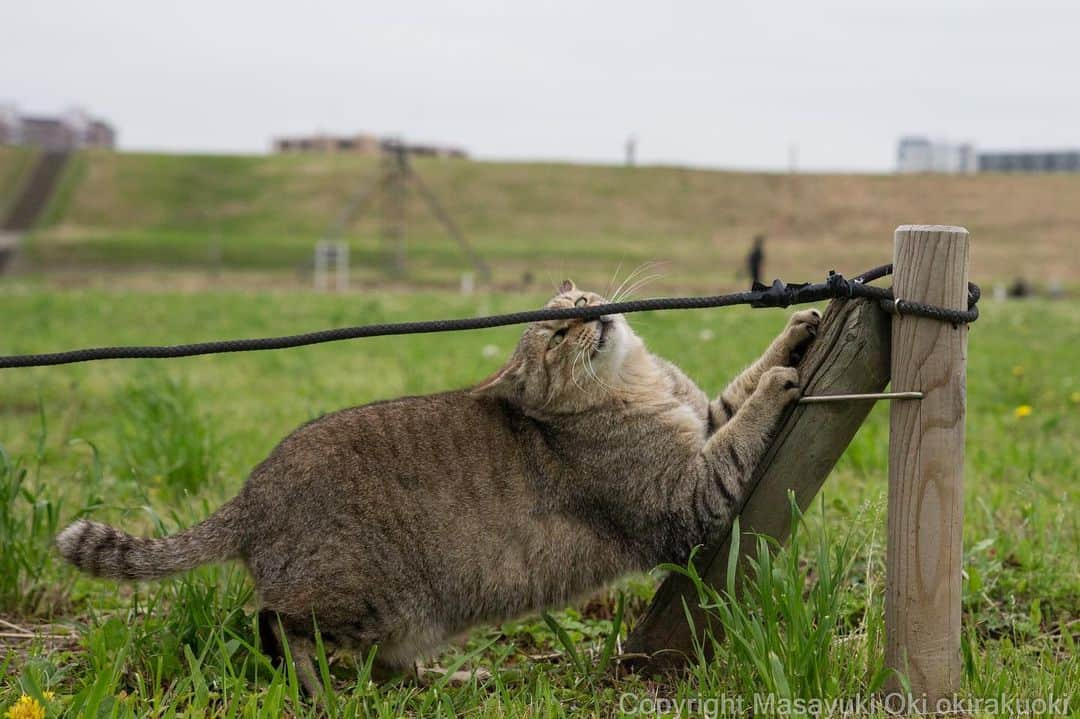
point(127, 211)
point(100, 439)
point(180, 453)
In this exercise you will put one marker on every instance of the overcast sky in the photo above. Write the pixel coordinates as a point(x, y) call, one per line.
point(719, 84)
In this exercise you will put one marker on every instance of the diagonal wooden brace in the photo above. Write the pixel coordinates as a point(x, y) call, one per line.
point(850, 355)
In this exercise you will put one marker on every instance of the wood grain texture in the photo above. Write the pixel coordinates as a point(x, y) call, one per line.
point(926, 464)
point(850, 355)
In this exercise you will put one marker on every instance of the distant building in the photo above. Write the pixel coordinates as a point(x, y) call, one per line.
point(70, 131)
point(919, 154)
point(1062, 161)
point(361, 144)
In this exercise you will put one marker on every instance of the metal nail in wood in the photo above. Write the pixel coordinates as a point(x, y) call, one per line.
point(818, 399)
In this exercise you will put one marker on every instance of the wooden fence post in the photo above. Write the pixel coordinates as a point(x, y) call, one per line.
point(926, 466)
point(850, 355)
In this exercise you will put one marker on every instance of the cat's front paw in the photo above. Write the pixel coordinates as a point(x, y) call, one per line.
point(801, 330)
point(781, 384)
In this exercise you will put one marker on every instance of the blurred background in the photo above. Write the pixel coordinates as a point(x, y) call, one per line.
point(413, 144)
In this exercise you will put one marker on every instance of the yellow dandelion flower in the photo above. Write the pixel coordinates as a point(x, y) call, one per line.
point(27, 708)
point(1022, 411)
point(1075, 397)
point(1018, 370)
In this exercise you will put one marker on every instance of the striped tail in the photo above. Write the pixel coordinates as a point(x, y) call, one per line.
point(105, 551)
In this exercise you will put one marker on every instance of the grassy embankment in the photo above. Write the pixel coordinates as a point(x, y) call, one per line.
point(263, 214)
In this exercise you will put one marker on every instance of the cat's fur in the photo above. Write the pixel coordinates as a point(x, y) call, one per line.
point(403, 523)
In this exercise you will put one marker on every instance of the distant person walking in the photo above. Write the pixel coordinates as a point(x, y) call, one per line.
point(756, 258)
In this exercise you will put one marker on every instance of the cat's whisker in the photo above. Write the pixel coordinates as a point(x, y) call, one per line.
point(573, 368)
point(638, 285)
point(650, 266)
point(630, 277)
point(592, 371)
point(599, 381)
point(574, 379)
point(614, 277)
point(644, 267)
point(629, 292)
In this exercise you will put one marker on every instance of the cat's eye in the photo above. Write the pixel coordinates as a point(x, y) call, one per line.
point(557, 338)
point(581, 301)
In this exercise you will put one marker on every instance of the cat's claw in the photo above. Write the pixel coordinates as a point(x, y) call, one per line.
point(801, 330)
point(782, 383)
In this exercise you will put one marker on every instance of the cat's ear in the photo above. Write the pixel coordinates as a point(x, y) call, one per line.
point(566, 286)
point(504, 384)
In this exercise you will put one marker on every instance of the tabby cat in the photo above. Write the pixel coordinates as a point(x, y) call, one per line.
point(403, 523)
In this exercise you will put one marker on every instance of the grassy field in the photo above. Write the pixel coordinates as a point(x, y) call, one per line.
point(118, 211)
point(157, 446)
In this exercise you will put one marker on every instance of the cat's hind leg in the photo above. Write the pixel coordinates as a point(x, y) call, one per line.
point(784, 351)
point(268, 637)
point(282, 636)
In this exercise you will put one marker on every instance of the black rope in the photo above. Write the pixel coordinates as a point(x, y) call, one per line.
point(776, 295)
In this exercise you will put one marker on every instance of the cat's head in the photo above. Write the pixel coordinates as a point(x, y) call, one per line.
point(565, 366)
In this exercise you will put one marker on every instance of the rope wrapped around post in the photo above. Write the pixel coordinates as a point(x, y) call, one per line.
point(836, 286)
